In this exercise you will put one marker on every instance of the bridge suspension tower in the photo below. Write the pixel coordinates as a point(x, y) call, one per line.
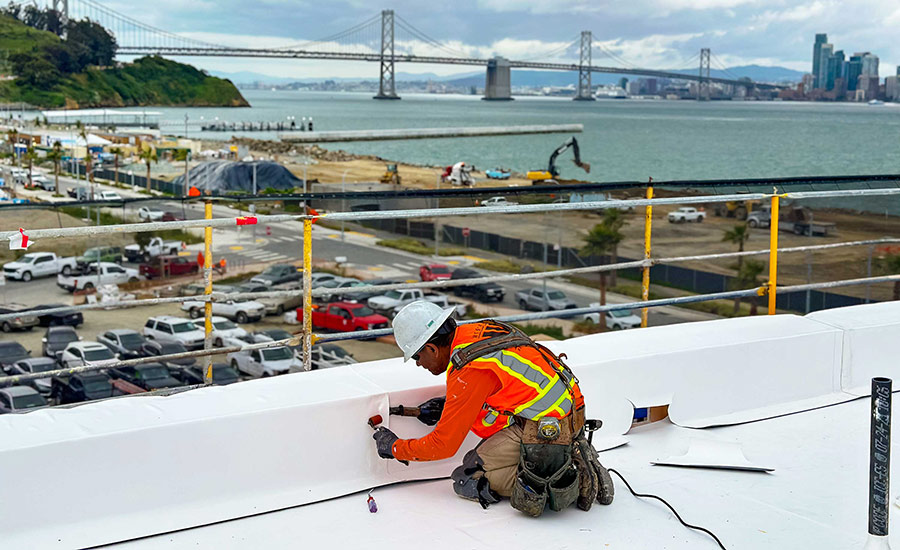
point(386, 86)
point(62, 7)
point(703, 83)
point(585, 91)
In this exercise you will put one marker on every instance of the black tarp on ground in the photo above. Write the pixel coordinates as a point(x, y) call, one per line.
point(221, 176)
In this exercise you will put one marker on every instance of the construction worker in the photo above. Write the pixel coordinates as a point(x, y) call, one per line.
point(515, 394)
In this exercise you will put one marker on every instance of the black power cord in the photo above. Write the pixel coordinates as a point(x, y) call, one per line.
point(686, 524)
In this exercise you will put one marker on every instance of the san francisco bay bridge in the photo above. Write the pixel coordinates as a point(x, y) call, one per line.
point(388, 39)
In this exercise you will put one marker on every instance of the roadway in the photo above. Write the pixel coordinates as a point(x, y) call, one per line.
point(253, 247)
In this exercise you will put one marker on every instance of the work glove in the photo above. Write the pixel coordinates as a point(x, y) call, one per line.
point(430, 411)
point(384, 442)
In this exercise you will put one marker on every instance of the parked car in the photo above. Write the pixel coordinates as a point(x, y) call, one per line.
point(222, 375)
point(11, 352)
point(99, 253)
point(345, 317)
point(20, 399)
point(459, 308)
point(264, 362)
point(85, 386)
point(89, 278)
point(277, 274)
point(124, 342)
point(167, 328)
point(393, 301)
point(616, 320)
point(277, 305)
point(80, 193)
point(686, 214)
point(150, 214)
point(554, 300)
point(108, 196)
point(318, 278)
point(328, 355)
point(40, 181)
point(150, 376)
point(339, 282)
point(195, 289)
point(56, 339)
point(22, 321)
point(223, 330)
point(79, 354)
point(155, 349)
point(483, 292)
point(70, 318)
point(171, 217)
point(434, 272)
point(363, 293)
point(242, 312)
point(156, 247)
point(38, 264)
point(272, 335)
point(169, 266)
point(496, 201)
point(34, 365)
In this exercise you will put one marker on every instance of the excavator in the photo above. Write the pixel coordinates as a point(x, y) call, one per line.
point(548, 175)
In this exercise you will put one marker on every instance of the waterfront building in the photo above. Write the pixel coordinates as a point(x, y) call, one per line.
point(834, 69)
point(825, 51)
point(892, 88)
point(808, 83)
point(869, 64)
point(821, 39)
point(854, 69)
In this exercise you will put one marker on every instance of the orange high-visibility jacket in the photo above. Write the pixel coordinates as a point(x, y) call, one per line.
point(529, 385)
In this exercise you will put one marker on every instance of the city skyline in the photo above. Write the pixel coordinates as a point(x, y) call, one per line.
point(647, 33)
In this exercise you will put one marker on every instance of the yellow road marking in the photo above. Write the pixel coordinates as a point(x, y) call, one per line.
point(376, 268)
point(361, 234)
point(236, 247)
point(474, 258)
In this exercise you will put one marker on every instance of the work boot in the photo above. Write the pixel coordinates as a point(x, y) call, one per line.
point(587, 480)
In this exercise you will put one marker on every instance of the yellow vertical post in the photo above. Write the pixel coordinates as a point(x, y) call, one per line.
point(645, 280)
point(307, 294)
point(207, 275)
point(773, 253)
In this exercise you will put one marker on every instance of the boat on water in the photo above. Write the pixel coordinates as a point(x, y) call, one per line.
point(876, 102)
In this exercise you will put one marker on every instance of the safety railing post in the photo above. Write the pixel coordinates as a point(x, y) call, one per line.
point(307, 294)
point(207, 307)
point(645, 279)
point(773, 253)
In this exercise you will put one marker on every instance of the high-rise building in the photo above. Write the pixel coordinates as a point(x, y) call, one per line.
point(854, 70)
point(825, 51)
point(892, 88)
point(834, 69)
point(870, 64)
point(817, 57)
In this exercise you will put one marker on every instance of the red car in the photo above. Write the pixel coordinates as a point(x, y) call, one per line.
point(434, 272)
point(345, 317)
point(170, 217)
point(169, 266)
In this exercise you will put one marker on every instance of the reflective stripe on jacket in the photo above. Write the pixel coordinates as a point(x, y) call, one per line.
point(530, 387)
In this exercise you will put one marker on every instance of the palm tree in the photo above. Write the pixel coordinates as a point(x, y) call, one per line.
point(614, 220)
point(738, 235)
point(603, 239)
point(185, 155)
point(30, 156)
point(748, 277)
point(13, 137)
point(148, 155)
point(88, 168)
point(116, 151)
point(890, 265)
point(55, 155)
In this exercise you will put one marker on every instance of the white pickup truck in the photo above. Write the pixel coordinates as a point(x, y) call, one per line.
point(393, 301)
point(87, 278)
point(686, 214)
point(241, 312)
point(265, 362)
point(38, 264)
point(157, 246)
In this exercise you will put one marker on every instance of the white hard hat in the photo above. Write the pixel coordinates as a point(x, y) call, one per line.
point(416, 323)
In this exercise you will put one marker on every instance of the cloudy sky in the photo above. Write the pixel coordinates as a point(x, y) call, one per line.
point(661, 34)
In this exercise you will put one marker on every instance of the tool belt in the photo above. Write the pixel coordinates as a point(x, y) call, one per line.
point(569, 428)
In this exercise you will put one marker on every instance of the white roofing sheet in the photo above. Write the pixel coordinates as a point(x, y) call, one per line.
point(816, 498)
point(147, 465)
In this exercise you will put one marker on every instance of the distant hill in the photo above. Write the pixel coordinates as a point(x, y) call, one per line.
point(42, 64)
